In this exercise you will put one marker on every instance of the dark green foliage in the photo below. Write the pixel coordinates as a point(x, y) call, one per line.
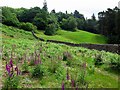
point(78, 15)
point(91, 25)
point(37, 71)
point(98, 61)
point(11, 83)
point(28, 15)
point(25, 66)
point(45, 5)
point(61, 16)
point(69, 24)
point(40, 20)
point(51, 29)
point(109, 24)
point(52, 25)
point(53, 11)
point(27, 26)
point(8, 17)
point(67, 56)
point(80, 23)
point(115, 64)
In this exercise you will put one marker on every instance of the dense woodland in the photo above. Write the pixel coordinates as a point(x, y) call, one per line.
point(37, 18)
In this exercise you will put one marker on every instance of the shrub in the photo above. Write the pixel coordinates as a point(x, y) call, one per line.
point(51, 29)
point(38, 71)
point(25, 66)
point(27, 26)
point(98, 61)
point(67, 56)
point(11, 82)
point(9, 18)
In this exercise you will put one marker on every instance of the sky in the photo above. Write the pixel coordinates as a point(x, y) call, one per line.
point(86, 7)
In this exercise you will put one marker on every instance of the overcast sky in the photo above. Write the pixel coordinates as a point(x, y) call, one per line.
point(86, 7)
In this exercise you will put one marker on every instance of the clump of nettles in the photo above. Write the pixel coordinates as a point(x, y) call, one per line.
point(67, 56)
point(37, 71)
point(98, 60)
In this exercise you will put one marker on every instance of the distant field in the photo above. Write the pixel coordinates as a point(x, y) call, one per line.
point(76, 37)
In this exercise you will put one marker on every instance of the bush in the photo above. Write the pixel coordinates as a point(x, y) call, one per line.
point(69, 24)
point(38, 71)
point(9, 18)
point(11, 82)
point(27, 26)
point(98, 61)
point(51, 29)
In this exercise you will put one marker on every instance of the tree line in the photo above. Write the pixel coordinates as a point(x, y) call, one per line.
point(37, 18)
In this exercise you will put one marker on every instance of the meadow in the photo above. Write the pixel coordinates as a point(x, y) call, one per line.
point(29, 63)
point(79, 36)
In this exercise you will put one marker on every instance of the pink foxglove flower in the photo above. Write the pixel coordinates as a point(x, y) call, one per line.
point(8, 68)
point(63, 86)
point(16, 69)
point(67, 75)
point(11, 62)
point(73, 83)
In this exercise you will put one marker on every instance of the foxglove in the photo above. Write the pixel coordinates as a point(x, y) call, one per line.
point(62, 85)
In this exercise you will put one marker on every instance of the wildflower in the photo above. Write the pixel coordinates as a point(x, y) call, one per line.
point(11, 74)
point(62, 85)
point(84, 65)
point(67, 75)
point(39, 60)
point(8, 68)
point(73, 83)
point(76, 87)
point(36, 62)
point(16, 69)
point(11, 62)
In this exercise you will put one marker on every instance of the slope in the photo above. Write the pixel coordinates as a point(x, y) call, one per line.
point(75, 37)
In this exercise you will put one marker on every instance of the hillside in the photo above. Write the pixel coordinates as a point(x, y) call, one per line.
point(79, 36)
point(58, 64)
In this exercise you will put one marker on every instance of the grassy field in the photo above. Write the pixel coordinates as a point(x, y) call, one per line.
point(56, 63)
point(76, 37)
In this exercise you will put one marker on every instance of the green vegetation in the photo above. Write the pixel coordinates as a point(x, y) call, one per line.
point(76, 37)
point(30, 63)
point(54, 65)
point(108, 23)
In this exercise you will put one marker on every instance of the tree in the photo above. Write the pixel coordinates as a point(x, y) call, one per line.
point(69, 24)
point(40, 20)
point(78, 15)
point(53, 11)
point(80, 23)
point(27, 26)
point(28, 15)
point(52, 25)
point(8, 17)
point(50, 29)
point(45, 6)
point(93, 17)
point(72, 24)
point(109, 24)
